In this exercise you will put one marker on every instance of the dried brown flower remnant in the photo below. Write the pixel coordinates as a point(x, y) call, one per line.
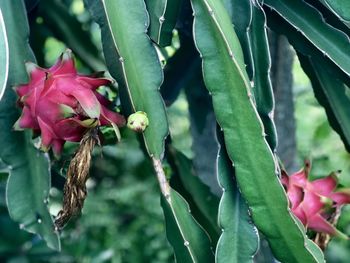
point(74, 192)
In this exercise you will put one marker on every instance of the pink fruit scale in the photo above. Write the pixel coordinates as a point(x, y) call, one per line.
point(314, 202)
point(61, 105)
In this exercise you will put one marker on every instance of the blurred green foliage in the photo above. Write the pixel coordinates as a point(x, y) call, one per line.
point(315, 138)
point(317, 141)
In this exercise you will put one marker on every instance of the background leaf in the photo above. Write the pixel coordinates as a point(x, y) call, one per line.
point(340, 8)
point(262, 89)
point(239, 240)
point(300, 42)
point(331, 42)
point(332, 95)
point(190, 242)
point(163, 15)
point(306, 49)
point(204, 204)
point(184, 60)
point(28, 184)
point(67, 28)
point(241, 14)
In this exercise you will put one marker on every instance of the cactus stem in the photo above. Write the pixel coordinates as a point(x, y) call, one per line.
point(161, 21)
point(163, 182)
point(121, 59)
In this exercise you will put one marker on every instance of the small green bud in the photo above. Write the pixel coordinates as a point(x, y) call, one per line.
point(138, 121)
point(328, 203)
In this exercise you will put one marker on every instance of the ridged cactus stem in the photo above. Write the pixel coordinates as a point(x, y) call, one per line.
point(140, 75)
point(163, 16)
point(333, 43)
point(244, 134)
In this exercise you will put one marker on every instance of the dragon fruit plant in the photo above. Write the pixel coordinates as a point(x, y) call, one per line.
point(315, 202)
point(218, 51)
point(61, 105)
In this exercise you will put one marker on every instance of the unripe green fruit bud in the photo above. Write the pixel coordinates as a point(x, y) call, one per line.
point(138, 121)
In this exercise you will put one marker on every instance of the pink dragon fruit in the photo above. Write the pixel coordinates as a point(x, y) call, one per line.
point(314, 202)
point(61, 104)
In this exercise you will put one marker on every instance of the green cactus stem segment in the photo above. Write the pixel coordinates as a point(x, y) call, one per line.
point(136, 67)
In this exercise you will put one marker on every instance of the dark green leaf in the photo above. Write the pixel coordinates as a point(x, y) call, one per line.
point(331, 94)
point(330, 41)
point(29, 176)
point(163, 15)
point(239, 240)
point(330, 17)
point(262, 90)
point(202, 119)
point(190, 242)
point(301, 43)
point(203, 199)
point(184, 61)
point(339, 7)
point(241, 14)
point(68, 29)
point(31, 4)
point(249, 23)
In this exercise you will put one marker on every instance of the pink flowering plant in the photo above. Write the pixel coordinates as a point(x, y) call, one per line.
point(315, 202)
point(61, 105)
